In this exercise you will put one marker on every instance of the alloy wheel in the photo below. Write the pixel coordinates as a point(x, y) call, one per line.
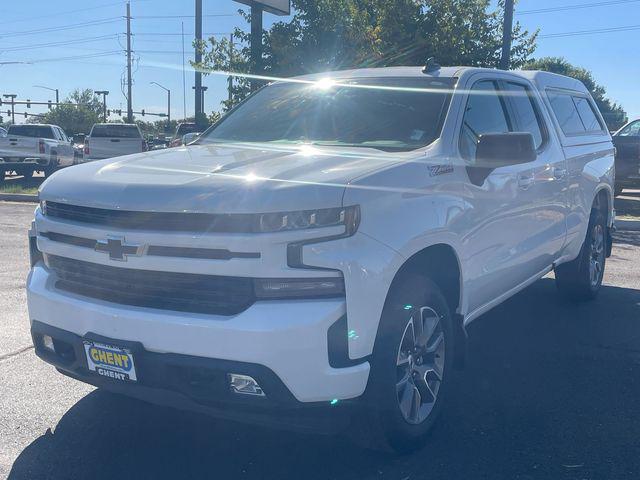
point(596, 257)
point(420, 365)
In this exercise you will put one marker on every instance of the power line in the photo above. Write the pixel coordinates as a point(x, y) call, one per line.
point(60, 43)
point(146, 17)
point(75, 57)
point(163, 34)
point(67, 12)
point(91, 23)
point(575, 7)
point(591, 32)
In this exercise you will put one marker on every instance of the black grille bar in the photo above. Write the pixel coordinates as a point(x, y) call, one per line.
point(157, 221)
point(156, 250)
point(185, 292)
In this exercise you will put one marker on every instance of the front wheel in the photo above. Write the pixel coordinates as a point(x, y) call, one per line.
point(582, 278)
point(412, 361)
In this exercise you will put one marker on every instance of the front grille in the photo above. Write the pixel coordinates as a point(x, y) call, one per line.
point(183, 292)
point(158, 221)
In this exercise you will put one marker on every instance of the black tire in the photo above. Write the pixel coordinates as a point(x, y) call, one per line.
point(411, 295)
point(576, 279)
point(52, 167)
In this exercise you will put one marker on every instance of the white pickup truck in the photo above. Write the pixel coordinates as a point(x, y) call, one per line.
point(321, 251)
point(108, 140)
point(32, 147)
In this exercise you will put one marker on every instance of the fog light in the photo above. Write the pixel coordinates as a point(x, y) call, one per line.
point(47, 342)
point(245, 385)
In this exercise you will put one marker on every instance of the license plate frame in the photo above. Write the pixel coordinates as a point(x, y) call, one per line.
point(110, 361)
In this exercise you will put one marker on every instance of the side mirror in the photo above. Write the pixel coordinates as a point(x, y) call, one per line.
point(496, 150)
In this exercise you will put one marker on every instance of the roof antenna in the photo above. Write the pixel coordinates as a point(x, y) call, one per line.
point(431, 65)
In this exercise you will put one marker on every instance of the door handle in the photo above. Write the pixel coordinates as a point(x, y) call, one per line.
point(560, 173)
point(525, 182)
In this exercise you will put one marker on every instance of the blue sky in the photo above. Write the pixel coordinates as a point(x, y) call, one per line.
point(611, 56)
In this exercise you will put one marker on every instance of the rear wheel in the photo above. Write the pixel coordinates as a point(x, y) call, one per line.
point(581, 279)
point(52, 167)
point(412, 361)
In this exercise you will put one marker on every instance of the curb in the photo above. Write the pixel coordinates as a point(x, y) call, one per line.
point(18, 197)
point(627, 225)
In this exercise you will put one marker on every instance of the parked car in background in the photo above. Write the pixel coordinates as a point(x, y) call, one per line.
point(627, 143)
point(78, 142)
point(108, 140)
point(190, 137)
point(34, 147)
point(181, 131)
point(158, 143)
point(322, 250)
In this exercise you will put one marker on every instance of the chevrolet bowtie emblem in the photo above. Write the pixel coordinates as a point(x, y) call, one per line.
point(118, 249)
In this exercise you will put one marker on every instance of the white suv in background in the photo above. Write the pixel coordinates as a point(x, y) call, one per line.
point(320, 252)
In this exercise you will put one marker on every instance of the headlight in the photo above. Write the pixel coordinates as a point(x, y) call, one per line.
point(305, 219)
point(43, 207)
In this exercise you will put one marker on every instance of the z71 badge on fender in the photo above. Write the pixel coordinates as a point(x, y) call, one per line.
point(436, 170)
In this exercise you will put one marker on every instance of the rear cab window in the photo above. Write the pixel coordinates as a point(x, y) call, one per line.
point(35, 131)
point(115, 131)
point(575, 113)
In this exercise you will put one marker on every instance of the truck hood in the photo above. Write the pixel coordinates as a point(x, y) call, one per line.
point(220, 178)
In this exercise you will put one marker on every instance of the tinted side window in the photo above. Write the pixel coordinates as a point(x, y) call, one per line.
point(566, 113)
point(485, 113)
point(588, 116)
point(526, 118)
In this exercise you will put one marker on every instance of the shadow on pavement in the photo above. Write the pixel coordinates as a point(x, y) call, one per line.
point(628, 204)
point(551, 390)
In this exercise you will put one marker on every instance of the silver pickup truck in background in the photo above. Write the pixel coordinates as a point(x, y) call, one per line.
point(108, 140)
point(30, 148)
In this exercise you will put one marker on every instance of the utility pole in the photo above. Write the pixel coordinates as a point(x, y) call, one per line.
point(104, 94)
point(184, 80)
point(507, 31)
point(198, 58)
point(256, 43)
point(12, 96)
point(129, 99)
point(230, 86)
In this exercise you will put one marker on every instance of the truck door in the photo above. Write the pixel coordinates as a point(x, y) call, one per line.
point(514, 226)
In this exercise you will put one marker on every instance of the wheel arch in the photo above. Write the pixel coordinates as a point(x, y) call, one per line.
point(441, 264)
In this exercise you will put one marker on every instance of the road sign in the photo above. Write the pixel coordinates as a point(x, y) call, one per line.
point(277, 7)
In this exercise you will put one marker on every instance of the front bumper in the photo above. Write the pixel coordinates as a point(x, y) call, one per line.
point(287, 338)
point(195, 384)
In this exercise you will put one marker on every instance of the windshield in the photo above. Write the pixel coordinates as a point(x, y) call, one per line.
point(115, 131)
point(37, 131)
point(387, 114)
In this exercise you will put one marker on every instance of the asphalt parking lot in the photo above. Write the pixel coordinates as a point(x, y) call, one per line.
point(551, 391)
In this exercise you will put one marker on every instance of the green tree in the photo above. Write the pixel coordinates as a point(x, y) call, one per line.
point(338, 34)
point(78, 118)
point(614, 115)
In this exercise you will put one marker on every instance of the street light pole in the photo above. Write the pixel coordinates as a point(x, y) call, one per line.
point(168, 103)
point(51, 89)
point(104, 94)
